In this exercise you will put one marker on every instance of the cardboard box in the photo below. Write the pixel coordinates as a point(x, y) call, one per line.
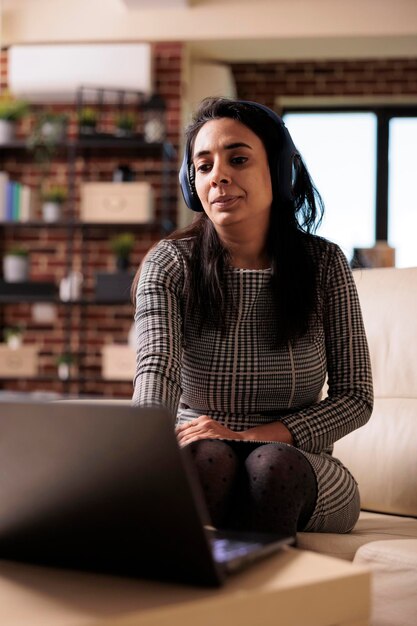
point(19, 363)
point(118, 362)
point(117, 203)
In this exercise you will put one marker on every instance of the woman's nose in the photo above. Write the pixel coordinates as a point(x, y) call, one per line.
point(219, 175)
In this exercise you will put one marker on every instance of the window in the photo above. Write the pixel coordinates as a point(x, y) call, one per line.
point(363, 162)
point(402, 197)
point(339, 150)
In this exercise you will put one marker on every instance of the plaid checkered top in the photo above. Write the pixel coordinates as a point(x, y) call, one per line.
point(237, 376)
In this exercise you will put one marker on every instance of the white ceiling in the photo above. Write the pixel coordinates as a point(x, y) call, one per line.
point(224, 30)
point(302, 48)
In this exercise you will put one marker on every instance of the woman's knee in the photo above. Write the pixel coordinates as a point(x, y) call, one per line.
point(212, 449)
point(280, 475)
point(275, 459)
point(213, 456)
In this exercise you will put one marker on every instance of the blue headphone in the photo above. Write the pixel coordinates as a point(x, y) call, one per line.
point(285, 163)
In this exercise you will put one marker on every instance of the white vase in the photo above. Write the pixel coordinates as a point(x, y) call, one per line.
point(15, 268)
point(53, 131)
point(6, 131)
point(70, 287)
point(14, 342)
point(154, 131)
point(51, 211)
point(63, 371)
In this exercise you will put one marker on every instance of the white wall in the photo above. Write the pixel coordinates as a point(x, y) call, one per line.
point(282, 21)
point(209, 79)
point(201, 80)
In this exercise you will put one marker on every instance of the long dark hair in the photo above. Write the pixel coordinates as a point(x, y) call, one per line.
point(293, 277)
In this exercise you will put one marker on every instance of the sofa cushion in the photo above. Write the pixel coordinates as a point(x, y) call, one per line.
point(370, 527)
point(394, 581)
point(382, 456)
point(388, 299)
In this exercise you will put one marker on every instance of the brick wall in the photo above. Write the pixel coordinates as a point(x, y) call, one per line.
point(92, 326)
point(264, 82)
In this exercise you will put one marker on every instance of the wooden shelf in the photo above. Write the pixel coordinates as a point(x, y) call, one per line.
point(101, 142)
point(142, 227)
point(96, 380)
point(30, 299)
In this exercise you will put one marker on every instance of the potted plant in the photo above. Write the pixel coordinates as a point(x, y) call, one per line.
point(64, 362)
point(53, 198)
point(11, 111)
point(16, 265)
point(125, 124)
point(13, 336)
point(87, 121)
point(48, 133)
point(121, 246)
point(52, 126)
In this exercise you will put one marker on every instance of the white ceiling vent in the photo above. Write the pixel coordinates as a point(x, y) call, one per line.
point(53, 73)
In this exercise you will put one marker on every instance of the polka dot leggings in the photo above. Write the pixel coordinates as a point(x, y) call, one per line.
point(260, 487)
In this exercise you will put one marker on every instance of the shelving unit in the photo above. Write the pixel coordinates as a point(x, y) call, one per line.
point(74, 315)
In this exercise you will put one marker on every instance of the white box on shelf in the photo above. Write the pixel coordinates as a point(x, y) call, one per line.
point(19, 363)
point(118, 362)
point(117, 202)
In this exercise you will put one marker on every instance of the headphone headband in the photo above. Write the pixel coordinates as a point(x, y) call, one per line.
point(284, 170)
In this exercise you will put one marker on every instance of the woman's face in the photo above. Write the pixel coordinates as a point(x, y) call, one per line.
point(232, 175)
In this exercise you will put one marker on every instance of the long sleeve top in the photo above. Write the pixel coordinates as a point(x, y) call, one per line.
point(237, 375)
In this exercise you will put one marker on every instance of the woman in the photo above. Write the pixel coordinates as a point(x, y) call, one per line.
point(239, 319)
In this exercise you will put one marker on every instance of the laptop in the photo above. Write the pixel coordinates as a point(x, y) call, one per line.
point(106, 488)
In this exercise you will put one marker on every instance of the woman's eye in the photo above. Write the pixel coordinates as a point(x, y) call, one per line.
point(239, 160)
point(203, 167)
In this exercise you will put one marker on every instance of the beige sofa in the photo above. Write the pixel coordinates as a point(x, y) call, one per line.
point(383, 454)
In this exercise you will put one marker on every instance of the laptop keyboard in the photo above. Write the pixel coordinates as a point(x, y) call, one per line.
point(225, 550)
point(234, 550)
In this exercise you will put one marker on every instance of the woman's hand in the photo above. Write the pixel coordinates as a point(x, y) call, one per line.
point(274, 431)
point(204, 427)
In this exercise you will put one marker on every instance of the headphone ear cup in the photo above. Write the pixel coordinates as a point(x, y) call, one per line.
point(187, 184)
point(191, 178)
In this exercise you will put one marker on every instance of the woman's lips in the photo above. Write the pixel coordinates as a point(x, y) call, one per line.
point(224, 202)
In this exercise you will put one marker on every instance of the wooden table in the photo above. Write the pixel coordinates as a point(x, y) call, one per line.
point(291, 588)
